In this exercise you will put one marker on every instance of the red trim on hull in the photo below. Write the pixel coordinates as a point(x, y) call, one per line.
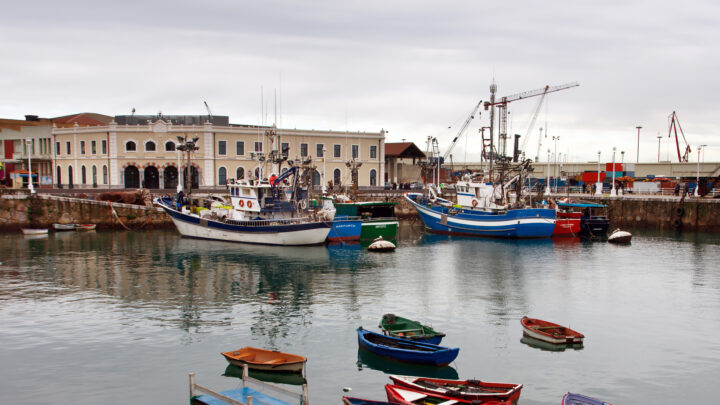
point(344, 238)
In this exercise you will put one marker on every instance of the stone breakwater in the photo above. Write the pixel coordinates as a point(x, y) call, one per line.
point(43, 210)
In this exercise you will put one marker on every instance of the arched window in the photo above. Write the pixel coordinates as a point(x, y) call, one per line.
point(336, 177)
point(316, 178)
point(149, 146)
point(239, 173)
point(83, 175)
point(70, 176)
point(222, 176)
point(170, 146)
point(373, 177)
point(105, 179)
point(58, 173)
point(94, 175)
point(257, 172)
point(130, 146)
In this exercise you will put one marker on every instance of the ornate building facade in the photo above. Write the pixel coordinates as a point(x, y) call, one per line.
point(142, 151)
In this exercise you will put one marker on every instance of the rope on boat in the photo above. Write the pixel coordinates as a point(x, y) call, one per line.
point(114, 213)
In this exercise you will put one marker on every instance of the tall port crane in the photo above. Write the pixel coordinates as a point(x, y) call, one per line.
point(674, 125)
point(502, 108)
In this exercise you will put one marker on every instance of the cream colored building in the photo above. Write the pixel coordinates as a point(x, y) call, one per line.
point(141, 151)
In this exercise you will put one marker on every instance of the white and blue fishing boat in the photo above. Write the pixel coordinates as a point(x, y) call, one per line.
point(483, 208)
point(260, 213)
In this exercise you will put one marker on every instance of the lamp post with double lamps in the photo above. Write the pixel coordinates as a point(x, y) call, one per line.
point(188, 146)
point(324, 185)
point(598, 185)
point(555, 174)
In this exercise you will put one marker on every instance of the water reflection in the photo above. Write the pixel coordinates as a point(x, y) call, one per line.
point(366, 359)
point(278, 378)
point(549, 347)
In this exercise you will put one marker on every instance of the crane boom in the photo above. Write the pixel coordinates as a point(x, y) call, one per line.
point(673, 127)
point(464, 128)
point(532, 93)
point(532, 121)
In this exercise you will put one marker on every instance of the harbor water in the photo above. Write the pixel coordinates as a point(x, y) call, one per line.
point(123, 317)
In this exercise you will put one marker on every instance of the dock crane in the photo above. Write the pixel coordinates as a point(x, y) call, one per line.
point(502, 108)
point(674, 125)
point(462, 130)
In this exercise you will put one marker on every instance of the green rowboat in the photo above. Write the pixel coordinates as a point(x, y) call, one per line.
point(396, 326)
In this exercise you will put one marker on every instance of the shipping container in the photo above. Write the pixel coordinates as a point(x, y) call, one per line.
point(592, 177)
point(609, 167)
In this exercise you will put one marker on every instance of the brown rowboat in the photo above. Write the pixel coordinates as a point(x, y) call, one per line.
point(266, 360)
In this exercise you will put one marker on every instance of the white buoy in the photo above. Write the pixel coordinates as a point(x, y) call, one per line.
point(347, 389)
point(381, 245)
point(619, 236)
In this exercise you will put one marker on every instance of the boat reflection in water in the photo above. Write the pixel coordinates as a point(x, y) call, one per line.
point(549, 347)
point(267, 376)
point(367, 359)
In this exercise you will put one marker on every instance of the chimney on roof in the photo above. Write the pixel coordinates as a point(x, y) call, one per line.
point(32, 118)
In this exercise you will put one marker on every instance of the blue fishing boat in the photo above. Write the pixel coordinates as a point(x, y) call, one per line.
point(406, 350)
point(577, 399)
point(441, 216)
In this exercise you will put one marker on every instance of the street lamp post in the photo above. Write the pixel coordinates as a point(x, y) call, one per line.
point(179, 168)
point(638, 144)
point(188, 146)
point(324, 185)
point(659, 138)
point(30, 181)
point(697, 182)
point(613, 192)
point(598, 185)
point(547, 187)
point(555, 139)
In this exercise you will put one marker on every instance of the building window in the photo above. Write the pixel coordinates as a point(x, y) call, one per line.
point(239, 148)
point(83, 175)
point(319, 150)
point(93, 147)
point(70, 176)
point(355, 151)
point(130, 146)
point(257, 172)
point(222, 175)
point(373, 177)
point(105, 175)
point(149, 146)
point(94, 174)
point(57, 148)
point(103, 146)
point(58, 173)
point(373, 151)
point(258, 146)
point(239, 173)
point(285, 149)
point(82, 148)
point(336, 177)
point(169, 146)
point(303, 149)
point(336, 151)
point(67, 148)
point(222, 148)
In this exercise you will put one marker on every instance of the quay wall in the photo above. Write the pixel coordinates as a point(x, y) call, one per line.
point(43, 210)
point(627, 212)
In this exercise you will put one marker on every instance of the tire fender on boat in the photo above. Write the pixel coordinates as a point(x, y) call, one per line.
point(474, 202)
point(249, 204)
point(241, 203)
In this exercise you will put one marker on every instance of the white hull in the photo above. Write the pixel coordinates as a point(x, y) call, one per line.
point(28, 231)
point(545, 338)
point(294, 238)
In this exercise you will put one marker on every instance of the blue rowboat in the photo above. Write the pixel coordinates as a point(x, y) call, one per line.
point(456, 220)
point(406, 350)
point(577, 399)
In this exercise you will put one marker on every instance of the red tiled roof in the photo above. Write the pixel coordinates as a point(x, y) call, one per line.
point(84, 119)
point(403, 149)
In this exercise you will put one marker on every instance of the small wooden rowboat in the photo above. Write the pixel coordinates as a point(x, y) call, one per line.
point(34, 231)
point(266, 360)
point(406, 396)
point(550, 332)
point(85, 227)
point(396, 326)
point(406, 350)
point(466, 389)
point(577, 399)
point(619, 236)
point(63, 227)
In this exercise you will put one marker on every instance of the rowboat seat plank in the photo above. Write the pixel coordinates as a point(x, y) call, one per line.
point(275, 361)
point(405, 330)
point(244, 356)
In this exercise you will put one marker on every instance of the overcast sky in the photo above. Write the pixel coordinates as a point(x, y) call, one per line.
point(412, 68)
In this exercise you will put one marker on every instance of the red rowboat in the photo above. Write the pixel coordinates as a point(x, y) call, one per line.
point(466, 389)
point(406, 396)
point(550, 332)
